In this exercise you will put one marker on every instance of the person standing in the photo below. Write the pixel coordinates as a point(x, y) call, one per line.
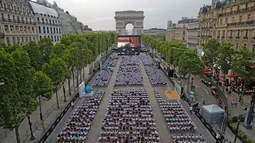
point(72, 105)
point(190, 109)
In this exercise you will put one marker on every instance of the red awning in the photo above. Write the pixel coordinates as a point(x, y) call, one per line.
point(231, 76)
point(222, 76)
point(207, 72)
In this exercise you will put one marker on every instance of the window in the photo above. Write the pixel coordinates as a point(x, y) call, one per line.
point(233, 19)
point(238, 33)
point(18, 41)
point(246, 33)
point(46, 21)
point(51, 30)
point(13, 40)
point(54, 30)
point(236, 46)
point(42, 20)
point(55, 38)
point(22, 39)
point(38, 19)
point(249, 17)
point(33, 29)
point(39, 29)
point(6, 27)
point(8, 41)
point(240, 18)
point(13, 17)
point(220, 21)
point(253, 48)
point(226, 20)
point(30, 39)
point(33, 38)
point(230, 33)
point(223, 33)
point(48, 30)
point(218, 33)
point(57, 30)
point(51, 38)
point(50, 21)
point(244, 45)
point(40, 37)
point(44, 30)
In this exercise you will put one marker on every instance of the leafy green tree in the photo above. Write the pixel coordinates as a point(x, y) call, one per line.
point(211, 51)
point(35, 55)
point(43, 87)
point(45, 46)
point(24, 74)
point(188, 64)
point(59, 49)
point(11, 111)
point(241, 62)
point(225, 57)
point(57, 71)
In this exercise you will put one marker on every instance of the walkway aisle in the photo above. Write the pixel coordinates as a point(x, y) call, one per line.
point(95, 129)
point(159, 118)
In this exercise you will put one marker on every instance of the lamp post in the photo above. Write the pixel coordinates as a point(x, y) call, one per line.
point(237, 128)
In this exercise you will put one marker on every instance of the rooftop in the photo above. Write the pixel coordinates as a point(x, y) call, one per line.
point(40, 9)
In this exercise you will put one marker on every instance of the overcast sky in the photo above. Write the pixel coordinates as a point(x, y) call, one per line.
point(99, 14)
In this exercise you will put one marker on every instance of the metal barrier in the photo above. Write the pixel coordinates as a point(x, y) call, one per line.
point(53, 126)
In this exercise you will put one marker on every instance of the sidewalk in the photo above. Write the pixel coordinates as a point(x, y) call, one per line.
point(204, 93)
point(50, 113)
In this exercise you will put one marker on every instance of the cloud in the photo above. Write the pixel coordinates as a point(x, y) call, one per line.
point(100, 19)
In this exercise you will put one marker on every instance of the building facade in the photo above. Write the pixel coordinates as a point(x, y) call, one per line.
point(17, 22)
point(48, 22)
point(229, 21)
point(192, 35)
point(70, 24)
point(170, 35)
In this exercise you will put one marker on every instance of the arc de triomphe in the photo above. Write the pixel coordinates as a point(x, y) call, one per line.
point(123, 18)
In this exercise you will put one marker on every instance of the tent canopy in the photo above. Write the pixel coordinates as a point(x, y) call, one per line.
point(213, 108)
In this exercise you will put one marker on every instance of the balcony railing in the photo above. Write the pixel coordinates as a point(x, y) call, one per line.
point(230, 37)
point(249, 9)
point(245, 37)
point(237, 37)
point(241, 23)
point(218, 36)
point(222, 36)
point(253, 37)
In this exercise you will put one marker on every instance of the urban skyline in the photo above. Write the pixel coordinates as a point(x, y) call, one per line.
point(157, 13)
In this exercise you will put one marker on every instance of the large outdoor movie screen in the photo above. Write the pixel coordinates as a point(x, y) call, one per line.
point(130, 41)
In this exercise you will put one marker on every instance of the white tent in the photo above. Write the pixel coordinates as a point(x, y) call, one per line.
point(212, 113)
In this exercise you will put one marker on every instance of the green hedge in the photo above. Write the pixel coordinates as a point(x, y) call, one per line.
point(241, 135)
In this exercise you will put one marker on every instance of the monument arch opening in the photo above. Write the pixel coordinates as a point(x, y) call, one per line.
point(129, 29)
point(123, 18)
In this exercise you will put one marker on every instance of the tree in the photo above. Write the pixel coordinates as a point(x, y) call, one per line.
point(35, 55)
point(188, 64)
point(225, 57)
point(241, 62)
point(43, 87)
point(56, 70)
point(24, 74)
point(59, 49)
point(211, 51)
point(45, 46)
point(11, 111)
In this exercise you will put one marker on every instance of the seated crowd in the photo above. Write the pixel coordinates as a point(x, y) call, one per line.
point(182, 138)
point(129, 74)
point(178, 120)
point(129, 118)
point(104, 76)
point(147, 61)
point(155, 76)
point(79, 123)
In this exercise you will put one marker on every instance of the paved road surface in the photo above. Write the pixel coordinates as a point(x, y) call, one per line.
point(159, 118)
point(95, 129)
